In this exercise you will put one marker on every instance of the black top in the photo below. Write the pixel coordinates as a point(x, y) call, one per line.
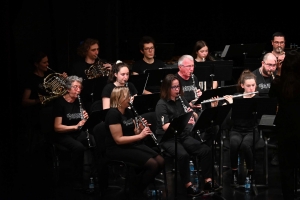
point(114, 116)
point(140, 66)
point(106, 92)
point(189, 86)
point(263, 83)
point(35, 84)
point(166, 111)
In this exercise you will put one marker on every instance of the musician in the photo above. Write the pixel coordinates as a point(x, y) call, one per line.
point(68, 118)
point(278, 43)
point(88, 52)
point(118, 77)
point(123, 136)
point(147, 48)
point(201, 54)
point(241, 133)
point(169, 107)
point(286, 88)
point(264, 74)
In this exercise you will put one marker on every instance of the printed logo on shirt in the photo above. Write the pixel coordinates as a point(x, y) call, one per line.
point(128, 122)
point(264, 85)
point(71, 116)
point(188, 88)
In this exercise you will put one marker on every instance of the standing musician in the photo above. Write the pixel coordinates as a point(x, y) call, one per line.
point(69, 117)
point(241, 133)
point(265, 73)
point(171, 105)
point(278, 43)
point(88, 51)
point(201, 54)
point(123, 136)
point(286, 88)
point(189, 82)
point(118, 77)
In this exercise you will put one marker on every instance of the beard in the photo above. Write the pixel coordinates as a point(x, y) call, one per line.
point(265, 72)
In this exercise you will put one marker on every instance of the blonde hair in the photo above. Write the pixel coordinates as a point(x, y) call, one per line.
point(117, 94)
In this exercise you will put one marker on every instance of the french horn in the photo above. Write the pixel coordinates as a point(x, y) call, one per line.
point(97, 70)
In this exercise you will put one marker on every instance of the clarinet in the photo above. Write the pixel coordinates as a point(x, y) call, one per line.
point(184, 106)
point(195, 90)
point(82, 118)
point(139, 118)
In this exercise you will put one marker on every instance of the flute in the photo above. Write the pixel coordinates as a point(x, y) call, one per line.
point(233, 96)
point(139, 118)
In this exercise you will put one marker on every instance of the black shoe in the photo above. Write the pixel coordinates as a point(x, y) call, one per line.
point(192, 191)
point(234, 178)
point(208, 187)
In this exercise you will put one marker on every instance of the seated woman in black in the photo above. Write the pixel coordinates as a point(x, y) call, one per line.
point(68, 120)
point(118, 77)
point(123, 136)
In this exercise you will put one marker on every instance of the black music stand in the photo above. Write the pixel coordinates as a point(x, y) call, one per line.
point(252, 109)
point(208, 118)
point(139, 81)
point(175, 128)
point(146, 103)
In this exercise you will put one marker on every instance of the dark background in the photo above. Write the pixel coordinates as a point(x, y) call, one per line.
point(57, 27)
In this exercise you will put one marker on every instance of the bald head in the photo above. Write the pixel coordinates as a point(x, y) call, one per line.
point(268, 65)
point(269, 56)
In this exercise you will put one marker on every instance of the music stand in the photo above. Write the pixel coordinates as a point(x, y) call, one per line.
point(139, 82)
point(209, 118)
point(253, 109)
point(146, 103)
point(156, 76)
point(175, 128)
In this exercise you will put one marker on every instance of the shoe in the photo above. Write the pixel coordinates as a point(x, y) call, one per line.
point(234, 178)
point(275, 161)
point(193, 191)
point(208, 187)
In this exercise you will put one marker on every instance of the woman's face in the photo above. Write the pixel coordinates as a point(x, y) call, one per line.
point(123, 75)
point(175, 88)
point(202, 53)
point(75, 89)
point(43, 64)
point(249, 85)
point(124, 100)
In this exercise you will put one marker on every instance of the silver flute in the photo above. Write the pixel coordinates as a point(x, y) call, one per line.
point(233, 96)
point(139, 119)
point(82, 118)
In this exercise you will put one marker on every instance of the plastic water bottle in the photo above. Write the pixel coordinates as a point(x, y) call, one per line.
point(192, 168)
point(196, 182)
point(91, 185)
point(153, 193)
point(247, 185)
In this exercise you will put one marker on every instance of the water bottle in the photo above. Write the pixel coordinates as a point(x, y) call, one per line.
point(91, 185)
point(192, 167)
point(153, 193)
point(196, 182)
point(247, 185)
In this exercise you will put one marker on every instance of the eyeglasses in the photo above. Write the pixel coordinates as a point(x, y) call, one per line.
point(187, 65)
point(148, 48)
point(270, 65)
point(276, 42)
point(76, 87)
point(175, 87)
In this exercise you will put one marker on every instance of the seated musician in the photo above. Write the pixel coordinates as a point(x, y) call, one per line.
point(118, 77)
point(241, 133)
point(123, 136)
point(69, 118)
point(172, 104)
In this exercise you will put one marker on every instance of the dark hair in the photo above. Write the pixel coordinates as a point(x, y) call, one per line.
point(146, 40)
point(85, 46)
point(277, 34)
point(199, 45)
point(290, 74)
point(245, 75)
point(166, 86)
point(115, 69)
point(36, 57)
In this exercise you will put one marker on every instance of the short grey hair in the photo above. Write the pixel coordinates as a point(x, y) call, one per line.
point(182, 58)
point(71, 79)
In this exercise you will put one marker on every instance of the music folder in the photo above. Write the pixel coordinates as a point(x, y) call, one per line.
point(177, 126)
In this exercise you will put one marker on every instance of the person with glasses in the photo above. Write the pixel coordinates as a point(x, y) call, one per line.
point(265, 73)
point(278, 43)
point(201, 54)
point(147, 48)
point(69, 118)
point(171, 105)
point(123, 141)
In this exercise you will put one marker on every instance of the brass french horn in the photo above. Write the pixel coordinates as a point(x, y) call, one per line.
point(97, 70)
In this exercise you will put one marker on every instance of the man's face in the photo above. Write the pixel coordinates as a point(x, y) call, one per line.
point(187, 67)
point(278, 44)
point(148, 50)
point(269, 66)
point(93, 51)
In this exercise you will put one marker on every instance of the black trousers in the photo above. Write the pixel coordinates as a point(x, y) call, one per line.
point(186, 146)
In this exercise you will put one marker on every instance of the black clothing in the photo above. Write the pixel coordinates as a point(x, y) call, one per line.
point(263, 83)
point(189, 87)
point(106, 92)
point(166, 110)
point(288, 134)
point(140, 66)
